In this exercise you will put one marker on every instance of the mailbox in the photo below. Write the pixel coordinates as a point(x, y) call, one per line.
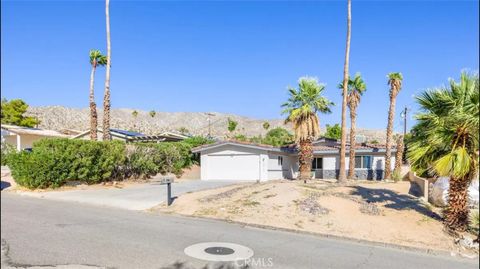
point(168, 181)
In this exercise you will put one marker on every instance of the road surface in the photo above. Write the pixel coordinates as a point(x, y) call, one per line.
point(40, 232)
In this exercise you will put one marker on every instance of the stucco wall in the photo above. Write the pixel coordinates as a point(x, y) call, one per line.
point(284, 171)
point(26, 140)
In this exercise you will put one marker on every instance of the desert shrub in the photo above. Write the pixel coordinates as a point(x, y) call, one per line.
point(145, 160)
point(55, 161)
point(196, 141)
point(396, 176)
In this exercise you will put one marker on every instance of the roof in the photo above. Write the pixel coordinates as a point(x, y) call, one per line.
point(30, 131)
point(292, 148)
point(125, 132)
point(115, 132)
point(289, 148)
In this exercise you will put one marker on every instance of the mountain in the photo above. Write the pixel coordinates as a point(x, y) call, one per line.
point(196, 123)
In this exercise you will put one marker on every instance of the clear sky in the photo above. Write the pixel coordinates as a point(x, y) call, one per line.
point(232, 56)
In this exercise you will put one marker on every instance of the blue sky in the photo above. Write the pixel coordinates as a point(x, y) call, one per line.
point(232, 56)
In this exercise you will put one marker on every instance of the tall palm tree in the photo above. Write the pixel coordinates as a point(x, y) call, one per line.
point(395, 82)
point(399, 155)
point(96, 59)
point(355, 89)
point(302, 107)
point(106, 96)
point(342, 178)
point(446, 142)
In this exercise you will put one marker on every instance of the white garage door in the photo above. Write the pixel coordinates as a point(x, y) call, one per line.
point(234, 167)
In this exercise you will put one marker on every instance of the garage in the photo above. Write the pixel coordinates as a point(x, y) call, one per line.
point(233, 167)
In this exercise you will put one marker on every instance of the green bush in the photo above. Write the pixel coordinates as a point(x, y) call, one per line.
point(6, 149)
point(55, 161)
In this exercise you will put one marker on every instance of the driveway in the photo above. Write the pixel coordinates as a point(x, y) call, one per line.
point(133, 197)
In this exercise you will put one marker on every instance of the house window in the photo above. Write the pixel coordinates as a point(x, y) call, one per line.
point(280, 160)
point(363, 162)
point(317, 163)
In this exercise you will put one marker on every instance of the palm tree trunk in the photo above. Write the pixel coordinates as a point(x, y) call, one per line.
point(305, 160)
point(456, 214)
point(93, 107)
point(399, 155)
point(106, 97)
point(388, 144)
point(342, 178)
point(351, 164)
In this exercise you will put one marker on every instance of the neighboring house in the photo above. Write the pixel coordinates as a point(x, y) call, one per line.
point(24, 137)
point(130, 136)
point(234, 160)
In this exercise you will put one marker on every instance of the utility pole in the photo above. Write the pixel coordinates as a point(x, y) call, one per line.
point(404, 116)
point(209, 124)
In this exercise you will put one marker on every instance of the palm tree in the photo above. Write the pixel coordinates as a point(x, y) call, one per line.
point(399, 155)
point(302, 107)
point(395, 82)
point(106, 96)
point(446, 142)
point(355, 89)
point(96, 59)
point(343, 143)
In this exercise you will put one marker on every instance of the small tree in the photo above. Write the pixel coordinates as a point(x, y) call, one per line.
point(183, 130)
point(152, 113)
point(13, 113)
point(135, 113)
point(278, 137)
point(334, 132)
point(266, 125)
point(232, 125)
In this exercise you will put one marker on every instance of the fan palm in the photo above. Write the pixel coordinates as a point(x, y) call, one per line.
point(395, 82)
point(96, 59)
point(343, 140)
point(302, 107)
point(445, 141)
point(106, 95)
point(355, 89)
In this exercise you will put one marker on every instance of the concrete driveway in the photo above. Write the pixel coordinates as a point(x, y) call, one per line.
point(133, 197)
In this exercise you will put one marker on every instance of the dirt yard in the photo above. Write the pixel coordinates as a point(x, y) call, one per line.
point(381, 212)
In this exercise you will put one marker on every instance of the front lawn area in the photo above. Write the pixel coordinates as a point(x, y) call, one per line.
point(373, 211)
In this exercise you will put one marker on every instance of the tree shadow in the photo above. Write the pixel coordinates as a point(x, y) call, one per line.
point(393, 200)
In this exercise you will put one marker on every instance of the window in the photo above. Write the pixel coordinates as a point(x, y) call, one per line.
point(280, 160)
point(317, 163)
point(363, 162)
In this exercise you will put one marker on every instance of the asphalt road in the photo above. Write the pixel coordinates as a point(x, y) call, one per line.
point(45, 232)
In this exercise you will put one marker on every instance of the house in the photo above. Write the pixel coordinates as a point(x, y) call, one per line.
point(24, 137)
point(234, 160)
point(130, 136)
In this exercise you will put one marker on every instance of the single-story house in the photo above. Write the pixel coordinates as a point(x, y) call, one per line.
point(131, 136)
point(234, 160)
point(23, 137)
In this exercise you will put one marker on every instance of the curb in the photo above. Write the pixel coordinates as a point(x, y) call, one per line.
point(429, 251)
